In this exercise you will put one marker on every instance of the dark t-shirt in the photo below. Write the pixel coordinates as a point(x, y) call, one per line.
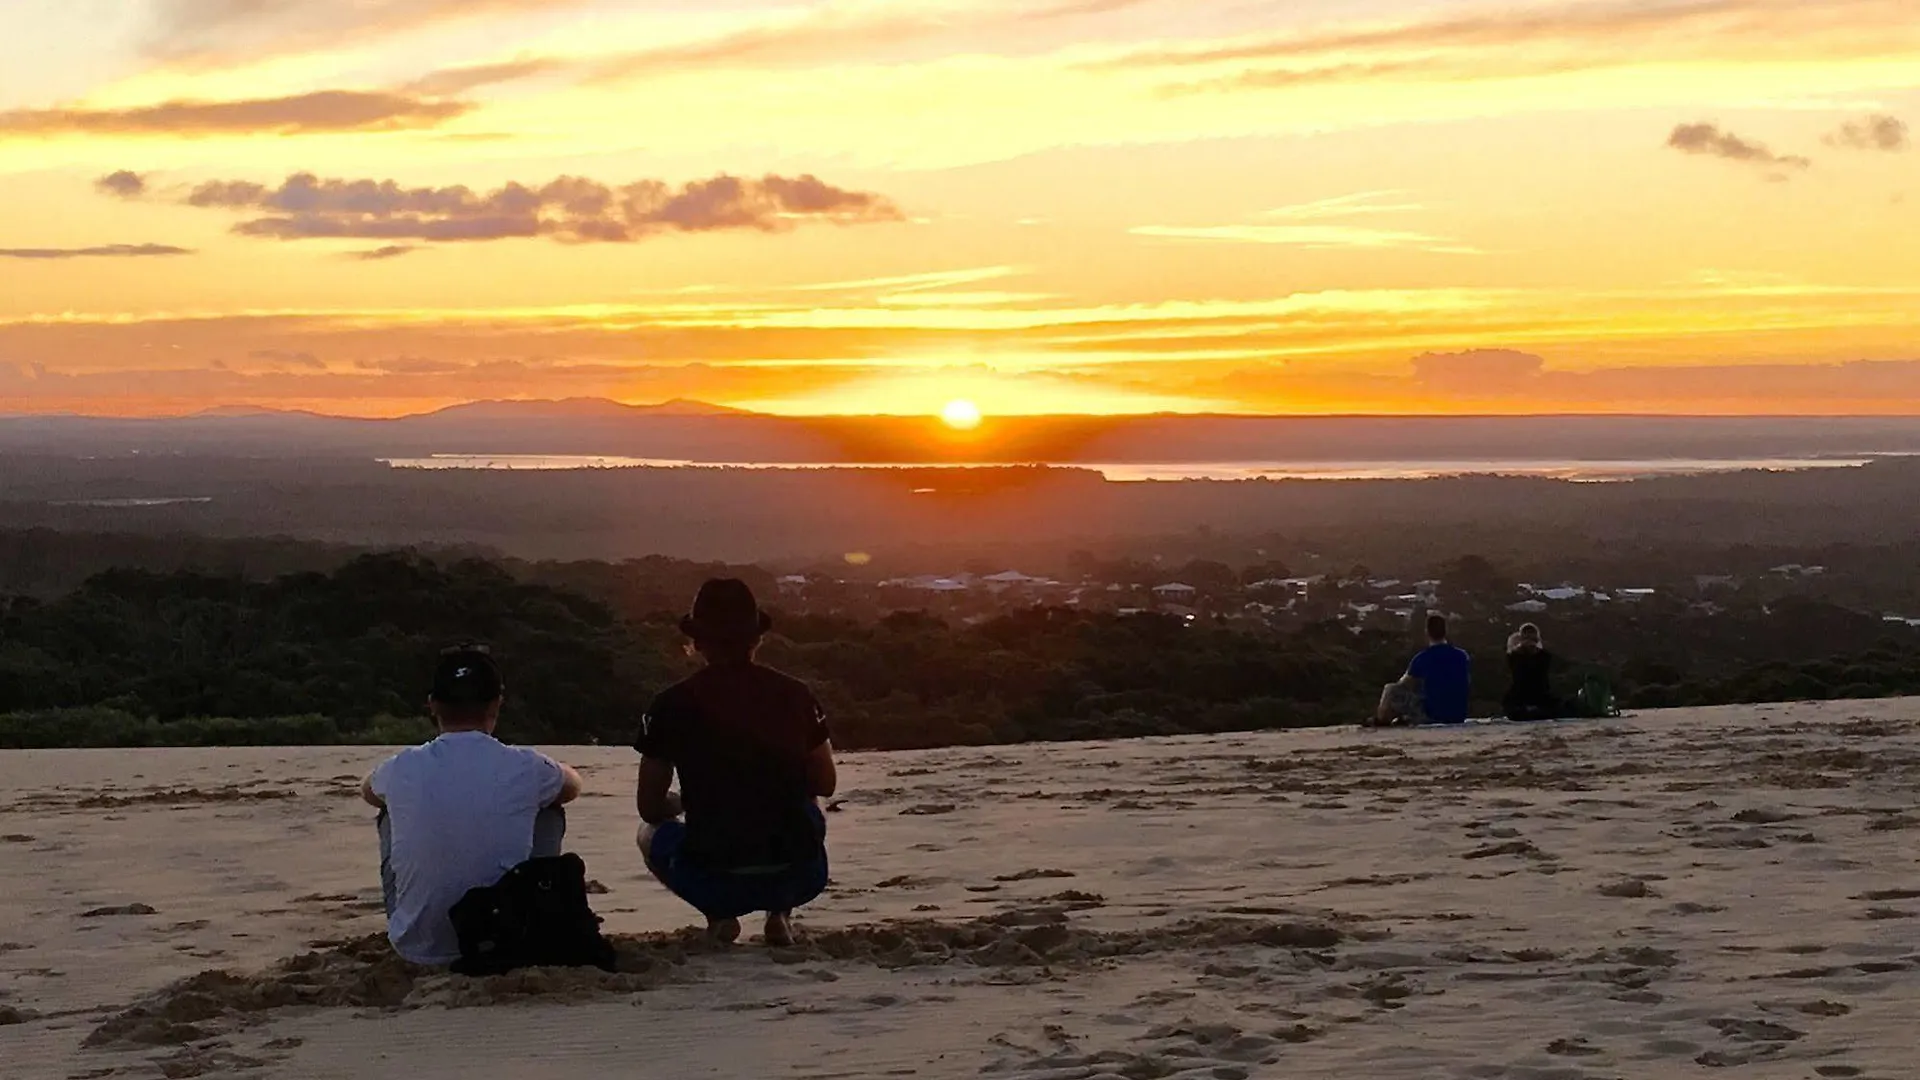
point(739, 737)
point(1532, 677)
point(1445, 675)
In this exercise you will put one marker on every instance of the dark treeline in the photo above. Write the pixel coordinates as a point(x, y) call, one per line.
point(140, 657)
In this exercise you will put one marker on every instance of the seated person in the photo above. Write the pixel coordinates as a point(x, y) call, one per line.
point(1436, 688)
point(1530, 697)
point(458, 812)
point(753, 755)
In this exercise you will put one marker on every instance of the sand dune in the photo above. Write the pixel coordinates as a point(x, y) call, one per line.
point(1647, 897)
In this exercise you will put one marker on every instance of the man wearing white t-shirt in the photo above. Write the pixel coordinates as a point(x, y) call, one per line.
point(460, 811)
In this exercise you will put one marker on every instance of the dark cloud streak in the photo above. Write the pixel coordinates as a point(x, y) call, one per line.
point(122, 184)
point(390, 251)
point(570, 209)
point(103, 251)
point(301, 114)
point(1711, 141)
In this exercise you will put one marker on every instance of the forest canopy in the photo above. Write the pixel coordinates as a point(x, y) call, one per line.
point(139, 657)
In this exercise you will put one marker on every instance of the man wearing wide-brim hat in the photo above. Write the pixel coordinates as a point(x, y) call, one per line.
point(753, 755)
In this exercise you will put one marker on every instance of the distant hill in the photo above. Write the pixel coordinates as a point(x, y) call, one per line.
point(701, 432)
point(577, 409)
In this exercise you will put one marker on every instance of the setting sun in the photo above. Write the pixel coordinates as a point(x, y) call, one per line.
point(961, 414)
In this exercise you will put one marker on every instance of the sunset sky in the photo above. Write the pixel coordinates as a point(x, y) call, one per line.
point(382, 206)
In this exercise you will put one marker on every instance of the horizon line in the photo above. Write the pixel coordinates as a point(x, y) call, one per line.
point(233, 411)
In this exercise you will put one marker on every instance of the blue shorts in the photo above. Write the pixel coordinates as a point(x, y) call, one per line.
point(730, 894)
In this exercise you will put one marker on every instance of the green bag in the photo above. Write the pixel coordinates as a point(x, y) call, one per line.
point(1595, 698)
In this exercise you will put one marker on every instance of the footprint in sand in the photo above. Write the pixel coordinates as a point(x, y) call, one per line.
point(1523, 848)
point(1035, 875)
point(122, 909)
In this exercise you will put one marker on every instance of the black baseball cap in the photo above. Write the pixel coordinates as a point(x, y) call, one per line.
point(467, 675)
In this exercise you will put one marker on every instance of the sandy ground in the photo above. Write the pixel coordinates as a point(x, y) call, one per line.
point(1647, 897)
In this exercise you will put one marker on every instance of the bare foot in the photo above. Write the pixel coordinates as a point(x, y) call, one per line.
point(724, 931)
point(779, 929)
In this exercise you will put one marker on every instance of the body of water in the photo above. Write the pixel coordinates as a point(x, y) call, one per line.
point(1133, 472)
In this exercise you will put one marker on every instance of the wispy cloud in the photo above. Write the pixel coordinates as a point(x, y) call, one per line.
point(297, 358)
point(412, 365)
point(1885, 133)
point(570, 209)
point(1360, 202)
point(454, 81)
point(907, 283)
point(102, 251)
point(301, 114)
point(1312, 225)
point(214, 31)
point(389, 251)
point(1710, 140)
point(1537, 39)
point(829, 33)
point(1308, 236)
point(1637, 24)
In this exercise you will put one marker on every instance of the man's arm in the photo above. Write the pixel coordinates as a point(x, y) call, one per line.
point(823, 778)
point(651, 794)
point(570, 785)
point(366, 792)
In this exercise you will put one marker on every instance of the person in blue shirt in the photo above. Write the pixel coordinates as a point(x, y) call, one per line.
point(1436, 687)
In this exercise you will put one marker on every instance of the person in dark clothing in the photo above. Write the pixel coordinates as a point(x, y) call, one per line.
point(1530, 697)
point(754, 757)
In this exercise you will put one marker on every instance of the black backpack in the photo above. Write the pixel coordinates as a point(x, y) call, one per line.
point(536, 915)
